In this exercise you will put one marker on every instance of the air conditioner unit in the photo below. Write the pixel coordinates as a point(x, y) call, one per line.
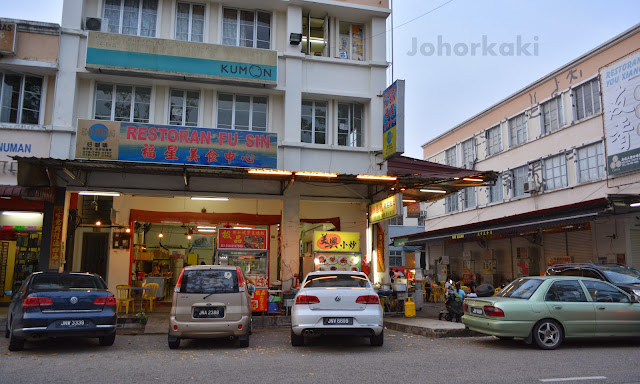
point(423, 213)
point(527, 188)
point(96, 24)
point(531, 187)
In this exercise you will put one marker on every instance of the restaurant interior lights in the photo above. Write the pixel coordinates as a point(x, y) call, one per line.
point(409, 201)
point(316, 174)
point(433, 191)
point(209, 198)
point(274, 172)
point(377, 177)
point(20, 213)
point(634, 205)
point(205, 228)
point(98, 193)
point(477, 180)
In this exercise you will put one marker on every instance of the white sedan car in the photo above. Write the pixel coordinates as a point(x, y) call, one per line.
point(336, 303)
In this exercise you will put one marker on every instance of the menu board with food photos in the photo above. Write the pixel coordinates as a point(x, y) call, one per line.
point(338, 261)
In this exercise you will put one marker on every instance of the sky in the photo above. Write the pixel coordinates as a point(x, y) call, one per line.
point(444, 90)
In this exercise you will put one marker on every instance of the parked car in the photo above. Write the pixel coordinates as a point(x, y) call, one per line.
point(548, 309)
point(51, 304)
point(336, 303)
point(210, 301)
point(622, 276)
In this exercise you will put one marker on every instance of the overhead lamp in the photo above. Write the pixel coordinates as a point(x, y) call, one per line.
point(377, 177)
point(316, 174)
point(634, 205)
point(472, 179)
point(242, 228)
point(295, 38)
point(433, 191)
point(128, 230)
point(98, 223)
point(409, 201)
point(205, 227)
point(161, 235)
point(20, 213)
point(275, 172)
point(98, 193)
point(209, 198)
point(207, 230)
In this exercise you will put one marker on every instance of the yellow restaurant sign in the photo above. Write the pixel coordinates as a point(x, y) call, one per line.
point(336, 241)
point(386, 209)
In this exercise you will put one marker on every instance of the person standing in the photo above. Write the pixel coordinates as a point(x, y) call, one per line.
point(427, 286)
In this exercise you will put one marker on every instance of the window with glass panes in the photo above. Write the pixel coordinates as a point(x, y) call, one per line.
point(246, 28)
point(350, 124)
point(241, 112)
point(552, 118)
point(494, 140)
point(395, 258)
point(587, 99)
point(451, 203)
point(519, 177)
point(469, 196)
point(351, 43)
point(496, 193)
point(518, 130)
point(468, 153)
point(118, 102)
point(450, 157)
point(555, 172)
point(313, 124)
point(398, 220)
point(20, 98)
point(132, 17)
point(590, 163)
point(183, 107)
point(190, 22)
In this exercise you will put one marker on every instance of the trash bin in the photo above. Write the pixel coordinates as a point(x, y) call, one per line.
point(409, 307)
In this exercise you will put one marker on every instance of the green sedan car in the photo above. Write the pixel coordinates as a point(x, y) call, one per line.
point(548, 309)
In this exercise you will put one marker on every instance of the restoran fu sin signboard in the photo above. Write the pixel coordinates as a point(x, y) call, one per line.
point(150, 143)
point(386, 209)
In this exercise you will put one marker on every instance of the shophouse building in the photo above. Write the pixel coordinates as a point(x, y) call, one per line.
point(566, 148)
point(28, 70)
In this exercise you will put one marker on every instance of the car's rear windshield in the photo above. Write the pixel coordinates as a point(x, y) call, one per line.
point(520, 288)
point(208, 281)
point(622, 275)
point(66, 281)
point(337, 281)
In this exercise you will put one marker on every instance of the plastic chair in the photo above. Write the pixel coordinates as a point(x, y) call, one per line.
point(495, 292)
point(437, 294)
point(123, 294)
point(151, 289)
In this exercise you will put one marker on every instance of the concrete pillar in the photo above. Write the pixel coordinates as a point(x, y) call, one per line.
point(290, 237)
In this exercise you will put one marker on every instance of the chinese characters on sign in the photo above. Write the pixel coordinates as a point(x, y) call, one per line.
point(393, 120)
point(386, 209)
point(56, 238)
point(336, 241)
point(620, 84)
point(380, 240)
point(230, 238)
point(125, 141)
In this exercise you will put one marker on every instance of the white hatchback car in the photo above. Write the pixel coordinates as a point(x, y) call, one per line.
point(337, 303)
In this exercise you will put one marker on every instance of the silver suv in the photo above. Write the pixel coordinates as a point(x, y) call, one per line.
point(210, 301)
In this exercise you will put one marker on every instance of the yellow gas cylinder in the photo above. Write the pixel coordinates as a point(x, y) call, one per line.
point(409, 307)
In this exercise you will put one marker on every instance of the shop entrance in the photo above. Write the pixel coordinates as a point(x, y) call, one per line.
point(94, 253)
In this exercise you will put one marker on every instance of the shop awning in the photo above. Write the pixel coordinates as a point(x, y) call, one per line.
point(567, 216)
point(28, 193)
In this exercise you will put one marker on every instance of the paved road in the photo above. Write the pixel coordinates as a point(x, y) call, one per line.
point(271, 359)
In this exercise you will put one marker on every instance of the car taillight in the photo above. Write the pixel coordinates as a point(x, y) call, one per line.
point(465, 307)
point(304, 299)
point(241, 287)
point(493, 311)
point(108, 301)
point(35, 302)
point(179, 282)
point(368, 299)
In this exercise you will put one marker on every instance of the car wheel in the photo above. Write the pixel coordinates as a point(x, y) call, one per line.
point(108, 340)
point(243, 341)
point(377, 341)
point(174, 342)
point(548, 334)
point(297, 340)
point(15, 343)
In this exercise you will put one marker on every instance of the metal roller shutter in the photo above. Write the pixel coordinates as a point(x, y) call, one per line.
point(554, 245)
point(580, 247)
point(635, 248)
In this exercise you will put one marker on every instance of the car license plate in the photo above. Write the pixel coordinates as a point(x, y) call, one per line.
point(208, 312)
point(476, 311)
point(337, 321)
point(72, 323)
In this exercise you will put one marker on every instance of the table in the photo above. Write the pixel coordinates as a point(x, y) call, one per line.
point(142, 291)
point(392, 303)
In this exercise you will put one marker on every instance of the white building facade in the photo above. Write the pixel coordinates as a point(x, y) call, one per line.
point(556, 199)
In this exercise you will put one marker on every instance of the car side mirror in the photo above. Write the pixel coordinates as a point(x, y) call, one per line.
point(252, 289)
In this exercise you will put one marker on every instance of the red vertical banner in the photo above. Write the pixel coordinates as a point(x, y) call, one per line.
point(56, 238)
point(380, 247)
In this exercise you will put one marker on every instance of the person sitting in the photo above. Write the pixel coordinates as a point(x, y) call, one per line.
point(459, 292)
